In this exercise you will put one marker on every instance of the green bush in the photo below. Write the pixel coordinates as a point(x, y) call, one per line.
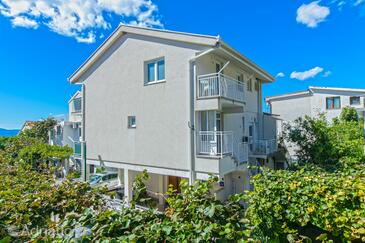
point(329, 145)
point(41, 154)
point(308, 203)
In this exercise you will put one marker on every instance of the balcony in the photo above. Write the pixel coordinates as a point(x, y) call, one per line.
point(219, 85)
point(265, 147)
point(215, 144)
point(77, 149)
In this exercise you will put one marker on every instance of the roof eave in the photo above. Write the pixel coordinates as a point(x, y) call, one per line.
point(202, 40)
point(265, 75)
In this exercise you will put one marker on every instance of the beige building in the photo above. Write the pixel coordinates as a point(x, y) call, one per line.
point(179, 105)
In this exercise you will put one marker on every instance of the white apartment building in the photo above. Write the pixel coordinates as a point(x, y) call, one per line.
point(317, 100)
point(178, 105)
point(314, 101)
point(67, 132)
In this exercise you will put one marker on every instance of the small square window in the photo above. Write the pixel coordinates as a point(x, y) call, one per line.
point(355, 100)
point(132, 122)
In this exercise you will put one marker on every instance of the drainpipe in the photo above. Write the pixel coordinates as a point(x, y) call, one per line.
point(192, 120)
point(83, 143)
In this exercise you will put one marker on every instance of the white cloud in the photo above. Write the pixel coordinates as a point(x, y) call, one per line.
point(24, 22)
point(312, 14)
point(280, 75)
point(306, 74)
point(80, 19)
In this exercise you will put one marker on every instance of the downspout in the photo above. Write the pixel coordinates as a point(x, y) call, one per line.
point(192, 121)
point(83, 143)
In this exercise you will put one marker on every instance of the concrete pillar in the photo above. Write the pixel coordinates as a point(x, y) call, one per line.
point(87, 170)
point(161, 189)
point(120, 177)
point(128, 182)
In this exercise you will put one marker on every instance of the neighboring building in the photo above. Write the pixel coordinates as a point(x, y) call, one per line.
point(27, 125)
point(314, 101)
point(175, 104)
point(317, 100)
point(67, 132)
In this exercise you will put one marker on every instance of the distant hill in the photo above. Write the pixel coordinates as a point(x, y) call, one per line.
point(8, 133)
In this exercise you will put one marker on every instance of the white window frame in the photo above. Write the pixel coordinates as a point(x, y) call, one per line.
point(129, 120)
point(155, 61)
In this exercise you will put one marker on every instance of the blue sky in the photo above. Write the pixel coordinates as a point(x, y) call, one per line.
point(319, 43)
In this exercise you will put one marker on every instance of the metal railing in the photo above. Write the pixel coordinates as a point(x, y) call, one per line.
point(77, 148)
point(215, 143)
point(265, 146)
point(220, 85)
point(241, 154)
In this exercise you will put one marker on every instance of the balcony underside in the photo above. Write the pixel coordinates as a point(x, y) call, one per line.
point(219, 104)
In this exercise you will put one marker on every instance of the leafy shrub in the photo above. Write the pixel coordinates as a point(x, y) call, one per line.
point(41, 154)
point(192, 216)
point(329, 145)
point(29, 198)
point(308, 203)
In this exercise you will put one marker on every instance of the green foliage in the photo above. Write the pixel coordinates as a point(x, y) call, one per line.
point(40, 154)
point(349, 114)
point(327, 145)
point(29, 198)
point(11, 146)
point(308, 203)
point(40, 130)
point(192, 216)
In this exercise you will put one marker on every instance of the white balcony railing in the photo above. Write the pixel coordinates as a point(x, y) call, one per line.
point(220, 85)
point(265, 147)
point(241, 153)
point(215, 143)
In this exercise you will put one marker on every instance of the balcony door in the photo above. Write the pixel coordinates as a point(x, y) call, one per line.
point(210, 126)
point(210, 121)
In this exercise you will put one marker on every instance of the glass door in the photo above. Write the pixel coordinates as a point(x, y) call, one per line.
point(210, 127)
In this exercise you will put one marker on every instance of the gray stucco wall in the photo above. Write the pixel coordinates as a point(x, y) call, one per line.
point(115, 90)
point(291, 108)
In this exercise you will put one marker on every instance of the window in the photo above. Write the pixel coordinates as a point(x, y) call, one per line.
point(355, 100)
point(333, 103)
point(257, 83)
point(77, 105)
point(155, 71)
point(132, 122)
point(249, 85)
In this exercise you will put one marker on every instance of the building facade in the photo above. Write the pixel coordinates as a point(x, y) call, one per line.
point(175, 104)
point(316, 101)
point(67, 132)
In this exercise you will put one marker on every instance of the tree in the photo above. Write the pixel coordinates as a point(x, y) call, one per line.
point(349, 114)
point(42, 154)
point(40, 129)
point(326, 144)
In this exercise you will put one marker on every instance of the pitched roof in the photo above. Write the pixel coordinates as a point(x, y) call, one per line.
point(204, 40)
